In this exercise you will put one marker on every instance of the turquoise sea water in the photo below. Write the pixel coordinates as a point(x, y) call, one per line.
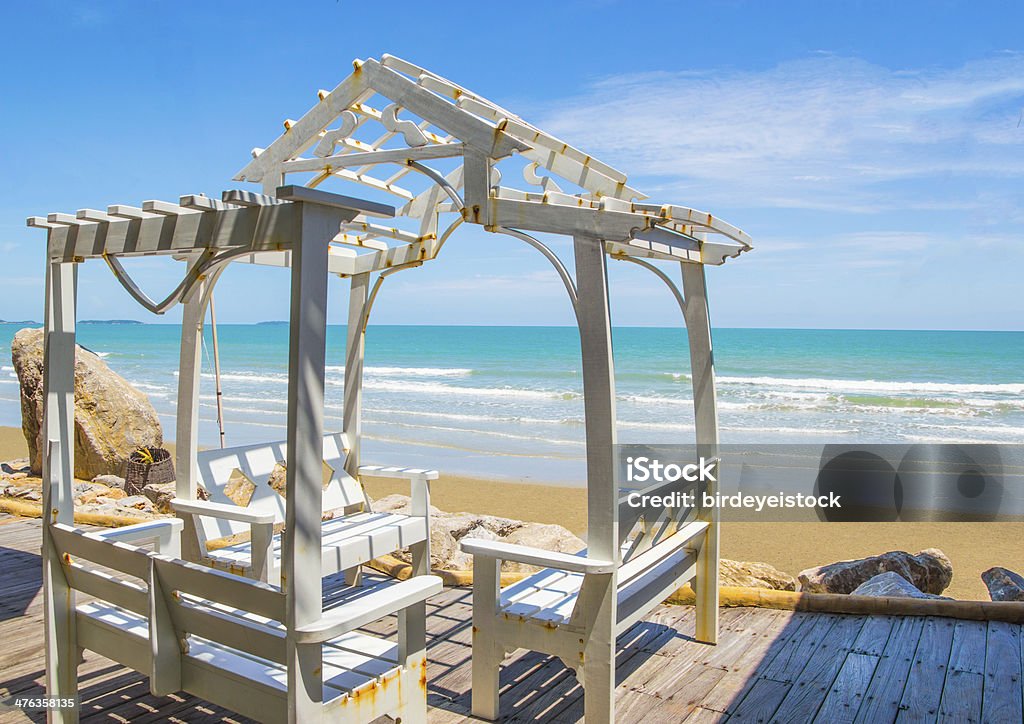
point(506, 402)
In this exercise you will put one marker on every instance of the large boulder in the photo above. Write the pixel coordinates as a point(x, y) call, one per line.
point(929, 571)
point(891, 584)
point(447, 529)
point(1003, 584)
point(112, 418)
point(754, 574)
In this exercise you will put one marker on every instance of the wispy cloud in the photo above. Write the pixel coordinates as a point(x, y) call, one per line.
point(823, 132)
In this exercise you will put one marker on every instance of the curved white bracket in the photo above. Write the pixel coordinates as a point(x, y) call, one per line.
point(661, 275)
point(440, 181)
point(570, 285)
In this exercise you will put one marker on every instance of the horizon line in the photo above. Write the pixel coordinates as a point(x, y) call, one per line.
point(271, 322)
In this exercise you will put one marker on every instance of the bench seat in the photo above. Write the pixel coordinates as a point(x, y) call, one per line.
point(549, 596)
point(348, 541)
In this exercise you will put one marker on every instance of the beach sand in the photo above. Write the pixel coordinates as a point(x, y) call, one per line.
point(790, 547)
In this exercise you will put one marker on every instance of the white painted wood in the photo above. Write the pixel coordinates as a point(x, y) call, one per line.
point(58, 468)
point(384, 471)
point(163, 534)
point(301, 558)
point(193, 541)
point(369, 608)
point(487, 651)
point(127, 212)
point(165, 208)
point(537, 556)
point(368, 158)
point(224, 512)
point(702, 374)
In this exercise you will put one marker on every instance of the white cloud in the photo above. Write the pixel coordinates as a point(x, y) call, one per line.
point(824, 132)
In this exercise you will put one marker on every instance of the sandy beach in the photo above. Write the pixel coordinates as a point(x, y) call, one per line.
point(790, 547)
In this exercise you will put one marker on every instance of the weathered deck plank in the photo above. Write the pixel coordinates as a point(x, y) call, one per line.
point(882, 701)
point(769, 666)
point(923, 690)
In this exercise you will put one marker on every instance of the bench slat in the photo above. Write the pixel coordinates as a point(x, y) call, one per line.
point(105, 587)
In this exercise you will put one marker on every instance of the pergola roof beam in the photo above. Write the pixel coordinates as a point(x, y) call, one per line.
point(369, 158)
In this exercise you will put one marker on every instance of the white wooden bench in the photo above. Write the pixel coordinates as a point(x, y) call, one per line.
point(221, 637)
point(563, 609)
point(243, 501)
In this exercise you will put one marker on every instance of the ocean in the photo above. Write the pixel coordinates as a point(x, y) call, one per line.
point(505, 402)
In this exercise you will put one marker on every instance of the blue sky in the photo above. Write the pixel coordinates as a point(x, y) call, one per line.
point(874, 151)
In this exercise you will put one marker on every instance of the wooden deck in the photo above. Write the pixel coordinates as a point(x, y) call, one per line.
point(769, 666)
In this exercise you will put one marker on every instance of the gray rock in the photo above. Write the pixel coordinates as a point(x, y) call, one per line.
point(139, 502)
point(1003, 584)
point(112, 418)
point(754, 574)
point(15, 466)
point(111, 481)
point(161, 495)
point(893, 584)
point(929, 571)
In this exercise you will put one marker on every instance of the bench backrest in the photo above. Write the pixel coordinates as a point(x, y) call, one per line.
point(644, 527)
point(242, 476)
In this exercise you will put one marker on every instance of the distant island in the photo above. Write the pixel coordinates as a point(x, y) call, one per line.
point(110, 321)
point(24, 321)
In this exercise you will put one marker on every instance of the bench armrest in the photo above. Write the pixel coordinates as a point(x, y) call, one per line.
point(369, 608)
point(535, 556)
point(165, 532)
point(381, 471)
point(220, 510)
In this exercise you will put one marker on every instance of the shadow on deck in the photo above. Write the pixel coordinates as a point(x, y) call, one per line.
point(769, 665)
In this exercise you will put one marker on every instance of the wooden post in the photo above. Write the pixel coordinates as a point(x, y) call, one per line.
point(352, 411)
point(602, 496)
point(705, 409)
point(487, 651)
point(187, 418)
point(352, 416)
point(301, 554)
point(58, 477)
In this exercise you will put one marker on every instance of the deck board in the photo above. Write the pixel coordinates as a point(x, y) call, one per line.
point(768, 666)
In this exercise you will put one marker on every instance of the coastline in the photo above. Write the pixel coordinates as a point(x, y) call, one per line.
point(790, 547)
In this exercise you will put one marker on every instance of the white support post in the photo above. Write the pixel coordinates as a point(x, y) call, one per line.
point(487, 652)
point(355, 346)
point(58, 478)
point(302, 539)
point(602, 495)
point(187, 419)
point(702, 369)
point(352, 413)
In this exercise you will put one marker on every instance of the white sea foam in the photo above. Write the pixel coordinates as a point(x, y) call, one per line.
point(406, 371)
point(840, 385)
point(437, 388)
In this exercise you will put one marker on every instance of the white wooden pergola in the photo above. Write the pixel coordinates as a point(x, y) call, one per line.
point(439, 153)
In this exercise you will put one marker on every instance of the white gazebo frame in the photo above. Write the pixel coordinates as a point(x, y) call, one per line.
point(316, 233)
